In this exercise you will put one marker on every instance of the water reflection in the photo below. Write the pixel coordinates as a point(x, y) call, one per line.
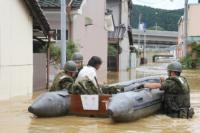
point(15, 117)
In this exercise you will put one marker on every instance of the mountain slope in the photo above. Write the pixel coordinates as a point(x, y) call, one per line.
point(166, 19)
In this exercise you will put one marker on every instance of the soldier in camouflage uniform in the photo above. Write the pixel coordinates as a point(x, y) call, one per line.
point(64, 79)
point(78, 59)
point(176, 101)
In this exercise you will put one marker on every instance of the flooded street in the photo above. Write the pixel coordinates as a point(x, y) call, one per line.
point(15, 117)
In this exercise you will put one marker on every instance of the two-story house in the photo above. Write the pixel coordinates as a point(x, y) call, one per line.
point(85, 27)
point(120, 10)
point(193, 28)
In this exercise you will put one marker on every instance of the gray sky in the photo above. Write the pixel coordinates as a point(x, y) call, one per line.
point(163, 4)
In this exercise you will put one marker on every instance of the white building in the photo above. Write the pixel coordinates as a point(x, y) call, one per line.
point(18, 18)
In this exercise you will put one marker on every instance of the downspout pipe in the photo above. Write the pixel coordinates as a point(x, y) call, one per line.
point(63, 33)
point(69, 9)
point(48, 58)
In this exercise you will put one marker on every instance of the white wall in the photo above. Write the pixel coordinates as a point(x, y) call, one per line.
point(92, 39)
point(193, 20)
point(179, 51)
point(16, 50)
point(124, 44)
point(115, 6)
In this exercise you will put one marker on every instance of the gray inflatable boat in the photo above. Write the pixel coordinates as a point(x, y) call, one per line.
point(52, 104)
point(132, 105)
point(133, 84)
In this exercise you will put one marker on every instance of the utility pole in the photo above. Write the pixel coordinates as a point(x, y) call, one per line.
point(69, 9)
point(185, 27)
point(156, 21)
point(144, 45)
point(144, 42)
point(63, 32)
point(139, 21)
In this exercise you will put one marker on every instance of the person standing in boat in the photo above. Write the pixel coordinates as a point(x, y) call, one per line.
point(64, 79)
point(78, 59)
point(86, 81)
point(176, 101)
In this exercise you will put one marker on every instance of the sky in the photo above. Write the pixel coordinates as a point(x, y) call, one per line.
point(164, 4)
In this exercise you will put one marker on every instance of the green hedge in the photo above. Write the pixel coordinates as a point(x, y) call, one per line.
point(190, 62)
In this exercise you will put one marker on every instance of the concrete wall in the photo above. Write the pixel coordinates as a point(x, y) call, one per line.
point(124, 44)
point(92, 39)
point(180, 31)
point(16, 50)
point(179, 51)
point(193, 20)
point(115, 6)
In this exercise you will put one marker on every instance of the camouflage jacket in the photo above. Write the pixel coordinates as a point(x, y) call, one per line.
point(176, 96)
point(62, 81)
point(85, 86)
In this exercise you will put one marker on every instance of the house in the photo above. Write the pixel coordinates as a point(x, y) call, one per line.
point(193, 28)
point(85, 27)
point(20, 21)
point(89, 33)
point(120, 10)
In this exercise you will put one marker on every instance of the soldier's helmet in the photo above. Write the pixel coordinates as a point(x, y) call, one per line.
point(77, 57)
point(70, 66)
point(175, 66)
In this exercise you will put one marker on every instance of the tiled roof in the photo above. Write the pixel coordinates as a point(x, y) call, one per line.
point(49, 3)
point(56, 4)
point(76, 4)
point(39, 20)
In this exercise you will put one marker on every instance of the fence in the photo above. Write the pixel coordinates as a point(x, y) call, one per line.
point(39, 71)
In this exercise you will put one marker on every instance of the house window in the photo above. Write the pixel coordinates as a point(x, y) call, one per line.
point(57, 34)
point(54, 34)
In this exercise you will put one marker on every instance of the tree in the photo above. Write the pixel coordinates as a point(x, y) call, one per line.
point(192, 59)
point(167, 19)
point(55, 51)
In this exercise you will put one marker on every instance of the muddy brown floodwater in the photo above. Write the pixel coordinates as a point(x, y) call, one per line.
point(14, 117)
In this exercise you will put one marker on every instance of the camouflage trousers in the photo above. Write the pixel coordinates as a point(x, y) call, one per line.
point(112, 89)
point(182, 113)
point(87, 87)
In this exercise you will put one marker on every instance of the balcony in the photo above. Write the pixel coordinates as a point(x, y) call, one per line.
point(116, 35)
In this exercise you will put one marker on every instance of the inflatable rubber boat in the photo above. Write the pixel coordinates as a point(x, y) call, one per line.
point(129, 105)
point(132, 105)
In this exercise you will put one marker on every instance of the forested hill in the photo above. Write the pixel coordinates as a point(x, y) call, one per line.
point(165, 19)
